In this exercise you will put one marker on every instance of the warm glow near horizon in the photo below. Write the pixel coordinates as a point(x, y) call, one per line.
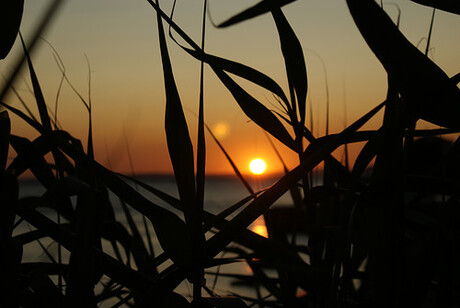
point(120, 40)
point(257, 166)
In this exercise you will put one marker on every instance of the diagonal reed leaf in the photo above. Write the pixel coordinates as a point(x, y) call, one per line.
point(10, 20)
point(256, 111)
point(230, 160)
point(452, 6)
point(243, 71)
point(260, 8)
point(427, 90)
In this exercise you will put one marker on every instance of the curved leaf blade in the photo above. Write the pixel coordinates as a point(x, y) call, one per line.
point(241, 70)
point(294, 61)
point(452, 6)
point(177, 134)
point(10, 20)
point(255, 110)
point(427, 90)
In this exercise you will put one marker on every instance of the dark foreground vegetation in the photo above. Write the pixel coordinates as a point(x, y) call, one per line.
point(391, 239)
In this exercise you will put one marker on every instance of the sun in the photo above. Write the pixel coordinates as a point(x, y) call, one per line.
point(257, 166)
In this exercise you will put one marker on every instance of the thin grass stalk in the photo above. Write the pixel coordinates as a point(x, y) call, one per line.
point(199, 239)
point(230, 160)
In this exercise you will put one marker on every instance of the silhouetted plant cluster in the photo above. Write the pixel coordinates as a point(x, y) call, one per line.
point(381, 234)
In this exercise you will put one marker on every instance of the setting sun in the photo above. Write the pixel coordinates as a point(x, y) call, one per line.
point(257, 166)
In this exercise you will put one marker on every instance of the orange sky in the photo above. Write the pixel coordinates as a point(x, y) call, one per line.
point(120, 40)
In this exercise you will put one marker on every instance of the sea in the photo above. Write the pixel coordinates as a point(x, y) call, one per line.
point(221, 192)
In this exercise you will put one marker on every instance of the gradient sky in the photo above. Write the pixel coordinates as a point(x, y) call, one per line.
point(119, 38)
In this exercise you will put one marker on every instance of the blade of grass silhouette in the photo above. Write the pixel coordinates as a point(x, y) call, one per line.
point(179, 144)
point(181, 154)
point(90, 146)
point(296, 69)
point(232, 163)
point(430, 32)
point(295, 193)
point(197, 227)
point(260, 8)
point(426, 89)
point(366, 155)
point(42, 26)
point(23, 103)
point(42, 109)
point(256, 111)
point(451, 6)
point(241, 70)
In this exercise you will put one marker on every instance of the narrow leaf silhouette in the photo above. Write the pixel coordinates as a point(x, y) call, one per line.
point(41, 104)
point(452, 6)
point(179, 143)
point(260, 8)
point(294, 61)
point(256, 111)
point(241, 70)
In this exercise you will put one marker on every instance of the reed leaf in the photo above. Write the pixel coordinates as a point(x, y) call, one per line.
point(41, 104)
point(427, 90)
point(32, 122)
point(452, 6)
point(256, 111)
point(260, 8)
point(242, 71)
point(295, 63)
point(366, 155)
point(230, 160)
point(10, 20)
point(177, 134)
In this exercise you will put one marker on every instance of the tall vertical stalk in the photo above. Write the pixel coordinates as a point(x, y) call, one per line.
point(200, 177)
